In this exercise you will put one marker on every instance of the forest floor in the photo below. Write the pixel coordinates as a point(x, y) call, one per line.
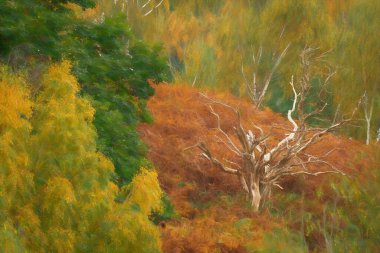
point(212, 213)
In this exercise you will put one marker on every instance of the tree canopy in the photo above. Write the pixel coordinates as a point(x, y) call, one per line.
point(112, 66)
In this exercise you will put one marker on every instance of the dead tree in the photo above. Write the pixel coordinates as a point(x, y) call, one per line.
point(151, 7)
point(257, 89)
point(260, 168)
point(367, 116)
point(145, 8)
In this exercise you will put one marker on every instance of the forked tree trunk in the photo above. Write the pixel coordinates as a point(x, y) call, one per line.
point(256, 197)
point(254, 191)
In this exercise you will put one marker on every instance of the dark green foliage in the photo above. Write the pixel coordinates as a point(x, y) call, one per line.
point(119, 141)
point(56, 4)
point(315, 99)
point(108, 54)
point(29, 27)
point(112, 66)
point(277, 100)
point(167, 213)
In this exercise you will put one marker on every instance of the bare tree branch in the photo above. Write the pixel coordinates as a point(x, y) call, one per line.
point(261, 168)
point(150, 11)
point(269, 78)
point(256, 93)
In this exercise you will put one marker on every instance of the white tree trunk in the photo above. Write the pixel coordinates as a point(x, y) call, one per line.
point(368, 131)
point(368, 117)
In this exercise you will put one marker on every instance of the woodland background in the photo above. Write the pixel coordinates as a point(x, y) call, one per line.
point(75, 80)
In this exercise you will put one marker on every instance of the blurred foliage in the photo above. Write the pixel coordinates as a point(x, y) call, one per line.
point(56, 194)
point(283, 241)
point(112, 66)
point(65, 130)
point(358, 211)
point(208, 41)
point(357, 55)
point(167, 213)
point(342, 216)
point(307, 215)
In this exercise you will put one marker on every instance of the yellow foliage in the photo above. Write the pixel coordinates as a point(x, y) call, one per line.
point(9, 240)
point(56, 194)
point(15, 108)
point(132, 228)
point(146, 192)
point(14, 104)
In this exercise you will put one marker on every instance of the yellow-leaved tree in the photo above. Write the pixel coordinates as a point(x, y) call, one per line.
point(56, 193)
point(16, 179)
